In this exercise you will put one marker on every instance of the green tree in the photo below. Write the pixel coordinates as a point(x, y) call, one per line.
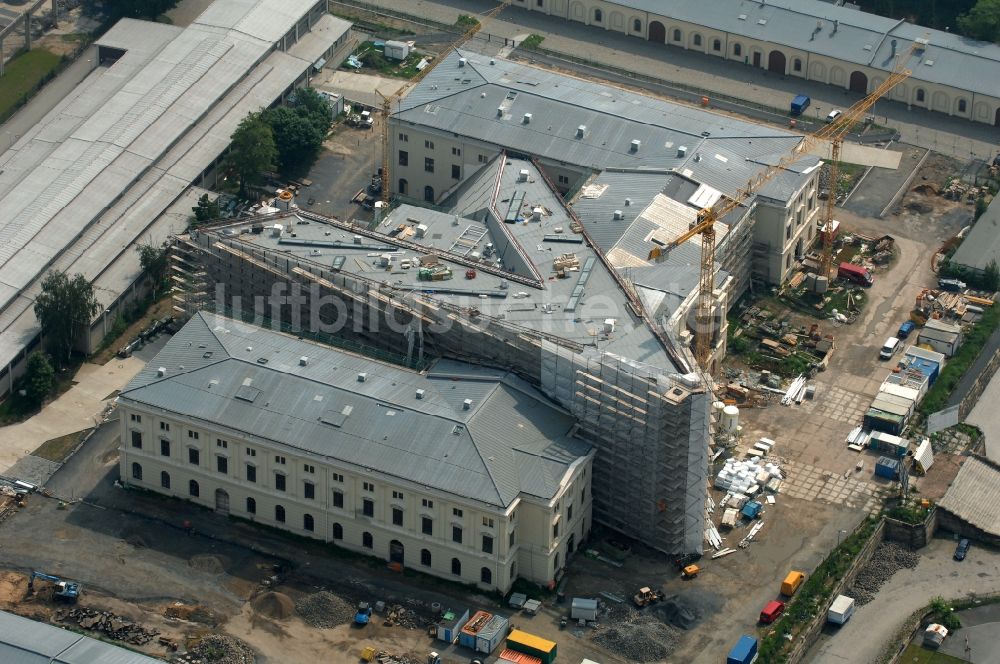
point(298, 138)
point(206, 210)
point(982, 21)
point(310, 103)
point(113, 10)
point(39, 376)
point(252, 151)
point(153, 261)
point(64, 306)
point(991, 276)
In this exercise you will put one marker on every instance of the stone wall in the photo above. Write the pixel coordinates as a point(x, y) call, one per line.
point(914, 536)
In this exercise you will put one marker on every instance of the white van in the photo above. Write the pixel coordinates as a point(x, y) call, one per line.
point(889, 348)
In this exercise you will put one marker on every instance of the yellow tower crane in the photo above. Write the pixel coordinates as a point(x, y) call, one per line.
point(834, 133)
point(388, 101)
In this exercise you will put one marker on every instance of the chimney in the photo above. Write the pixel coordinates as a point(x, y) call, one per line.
point(362, 377)
point(580, 131)
point(420, 394)
point(527, 118)
point(161, 372)
point(493, 61)
point(619, 215)
point(522, 175)
point(635, 145)
point(628, 201)
point(499, 111)
point(467, 404)
point(893, 44)
point(303, 361)
point(461, 62)
point(682, 151)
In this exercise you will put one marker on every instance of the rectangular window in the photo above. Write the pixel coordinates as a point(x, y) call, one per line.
point(135, 418)
point(193, 435)
point(555, 530)
point(482, 159)
point(563, 179)
point(488, 522)
point(309, 490)
point(404, 137)
point(398, 495)
point(137, 439)
point(487, 544)
point(569, 513)
point(788, 231)
point(456, 512)
point(368, 507)
point(337, 477)
point(164, 448)
point(512, 538)
point(404, 158)
point(224, 444)
point(428, 164)
point(369, 487)
point(194, 456)
point(338, 499)
point(164, 426)
point(539, 2)
point(251, 473)
point(456, 172)
point(427, 525)
point(429, 145)
point(279, 481)
point(309, 468)
point(456, 534)
point(251, 452)
point(457, 152)
point(397, 516)
point(222, 464)
point(429, 504)
point(279, 460)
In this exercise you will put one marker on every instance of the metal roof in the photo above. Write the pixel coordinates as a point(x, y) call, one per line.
point(974, 494)
point(843, 34)
point(24, 641)
point(488, 102)
point(982, 244)
point(509, 440)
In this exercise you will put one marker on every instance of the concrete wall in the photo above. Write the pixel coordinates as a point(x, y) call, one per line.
point(914, 536)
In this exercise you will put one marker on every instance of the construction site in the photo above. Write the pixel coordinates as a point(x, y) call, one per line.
point(657, 331)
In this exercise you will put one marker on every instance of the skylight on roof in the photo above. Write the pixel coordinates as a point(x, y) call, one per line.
point(247, 393)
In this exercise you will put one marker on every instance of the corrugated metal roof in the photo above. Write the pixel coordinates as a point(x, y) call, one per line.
point(24, 641)
point(974, 494)
point(982, 244)
point(435, 440)
point(843, 34)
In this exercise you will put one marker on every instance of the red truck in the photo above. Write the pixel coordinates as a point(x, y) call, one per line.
point(855, 273)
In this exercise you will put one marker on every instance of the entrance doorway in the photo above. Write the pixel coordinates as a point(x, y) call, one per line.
point(776, 62)
point(396, 552)
point(756, 59)
point(221, 501)
point(657, 33)
point(859, 82)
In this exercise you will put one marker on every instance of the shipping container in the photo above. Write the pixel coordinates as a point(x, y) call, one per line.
point(888, 444)
point(467, 635)
point(744, 652)
point(492, 634)
point(508, 656)
point(841, 610)
point(451, 624)
point(529, 644)
point(583, 609)
point(887, 467)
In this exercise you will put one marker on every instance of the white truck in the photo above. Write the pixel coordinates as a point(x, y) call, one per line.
point(841, 610)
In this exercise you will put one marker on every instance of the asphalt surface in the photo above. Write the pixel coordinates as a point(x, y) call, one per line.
point(978, 639)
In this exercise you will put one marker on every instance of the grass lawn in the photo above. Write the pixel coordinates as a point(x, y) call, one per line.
point(373, 58)
point(915, 653)
point(59, 448)
point(22, 74)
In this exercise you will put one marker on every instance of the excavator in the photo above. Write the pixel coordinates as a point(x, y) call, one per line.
point(67, 591)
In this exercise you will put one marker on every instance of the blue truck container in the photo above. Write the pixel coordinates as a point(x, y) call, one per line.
point(887, 467)
point(752, 509)
point(744, 652)
point(800, 104)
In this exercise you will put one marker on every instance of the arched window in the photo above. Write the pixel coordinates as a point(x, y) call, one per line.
point(307, 522)
point(797, 64)
point(338, 531)
point(486, 575)
point(598, 16)
point(425, 557)
point(456, 567)
point(279, 513)
point(697, 40)
point(737, 50)
point(716, 45)
point(637, 25)
point(366, 541)
point(677, 35)
point(403, 184)
point(136, 471)
point(251, 506)
point(920, 94)
point(165, 479)
point(429, 194)
point(961, 109)
point(193, 489)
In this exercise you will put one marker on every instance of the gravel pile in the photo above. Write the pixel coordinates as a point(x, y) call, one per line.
point(218, 649)
point(889, 558)
point(274, 605)
point(324, 610)
point(643, 639)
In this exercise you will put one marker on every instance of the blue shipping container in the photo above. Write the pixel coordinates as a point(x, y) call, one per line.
point(887, 468)
point(744, 652)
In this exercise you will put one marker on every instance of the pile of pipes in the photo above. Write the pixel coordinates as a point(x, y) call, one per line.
point(859, 437)
point(746, 477)
point(796, 392)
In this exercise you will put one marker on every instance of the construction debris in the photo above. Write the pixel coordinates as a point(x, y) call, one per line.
point(324, 610)
point(795, 392)
point(745, 477)
point(109, 624)
point(399, 616)
point(745, 542)
point(638, 638)
point(888, 558)
point(218, 649)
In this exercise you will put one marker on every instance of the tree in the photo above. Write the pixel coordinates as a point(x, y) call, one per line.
point(991, 276)
point(153, 261)
point(982, 21)
point(312, 105)
point(252, 151)
point(63, 307)
point(38, 378)
point(206, 210)
point(116, 9)
point(298, 138)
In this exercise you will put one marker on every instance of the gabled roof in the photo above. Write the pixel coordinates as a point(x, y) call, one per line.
point(250, 380)
point(974, 494)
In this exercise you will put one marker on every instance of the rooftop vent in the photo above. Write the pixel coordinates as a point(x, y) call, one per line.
point(461, 62)
point(618, 215)
point(697, 157)
point(467, 404)
point(635, 145)
point(527, 118)
point(161, 372)
point(499, 111)
point(362, 377)
point(628, 201)
point(303, 361)
point(261, 360)
point(493, 61)
point(420, 394)
point(357, 239)
point(682, 151)
point(522, 175)
point(536, 214)
point(581, 130)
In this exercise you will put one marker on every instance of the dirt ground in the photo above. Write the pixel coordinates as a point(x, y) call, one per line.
point(163, 307)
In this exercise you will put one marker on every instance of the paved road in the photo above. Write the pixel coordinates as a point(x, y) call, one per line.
point(978, 640)
point(954, 136)
point(874, 624)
